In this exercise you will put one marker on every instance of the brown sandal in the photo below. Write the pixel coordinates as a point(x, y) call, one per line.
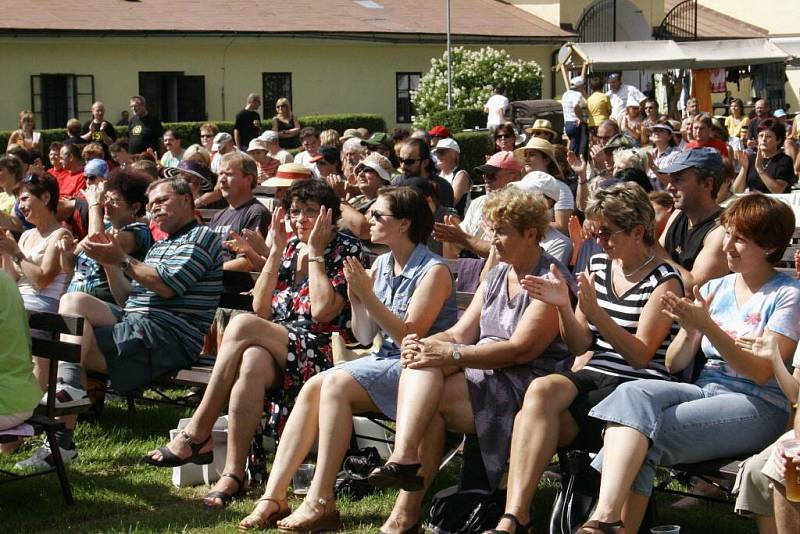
point(594, 526)
point(327, 522)
point(261, 522)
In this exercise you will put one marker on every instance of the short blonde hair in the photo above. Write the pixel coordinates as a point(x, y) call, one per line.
point(25, 115)
point(624, 205)
point(524, 210)
point(329, 137)
point(199, 154)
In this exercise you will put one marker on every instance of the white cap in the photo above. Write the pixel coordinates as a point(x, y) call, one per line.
point(447, 143)
point(778, 113)
point(220, 138)
point(269, 136)
point(540, 182)
point(632, 102)
point(577, 81)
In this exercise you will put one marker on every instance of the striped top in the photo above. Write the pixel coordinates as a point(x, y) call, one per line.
point(190, 263)
point(625, 310)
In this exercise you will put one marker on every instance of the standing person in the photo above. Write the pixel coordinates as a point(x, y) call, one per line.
point(496, 107)
point(174, 153)
point(247, 125)
point(598, 103)
point(286, 125)
point(573, 104)
point(144, 130)
point(761, 110)
point(26, 136)
point(124, 118)
point(735, 122)
point(735, 407)
point(769, 170)
point(99, 130)
point(619, 94)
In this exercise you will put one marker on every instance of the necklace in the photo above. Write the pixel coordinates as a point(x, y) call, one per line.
point(636, 270)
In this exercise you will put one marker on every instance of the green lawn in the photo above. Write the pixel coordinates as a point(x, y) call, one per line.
point(115, 493)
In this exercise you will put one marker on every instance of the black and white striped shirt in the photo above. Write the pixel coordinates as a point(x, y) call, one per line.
point(625, 310)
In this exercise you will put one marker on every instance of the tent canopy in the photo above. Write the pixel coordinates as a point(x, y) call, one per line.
point(790, 45)
point(658, 55)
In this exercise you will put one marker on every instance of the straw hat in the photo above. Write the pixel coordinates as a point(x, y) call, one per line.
point(288, 174)
point(536, 143)
point(542, 125)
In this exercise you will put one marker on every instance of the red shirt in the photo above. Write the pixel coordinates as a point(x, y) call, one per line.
point(70, 184)
point(720, 146)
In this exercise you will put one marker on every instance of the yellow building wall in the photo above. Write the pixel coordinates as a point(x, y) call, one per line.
point(328, 76)
point(570, 11)
point(779, 17)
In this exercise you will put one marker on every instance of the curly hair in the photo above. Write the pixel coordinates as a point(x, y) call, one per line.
point(523, 210)
point(626, 206)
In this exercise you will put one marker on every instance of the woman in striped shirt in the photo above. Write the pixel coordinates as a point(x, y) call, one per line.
point(617, 322)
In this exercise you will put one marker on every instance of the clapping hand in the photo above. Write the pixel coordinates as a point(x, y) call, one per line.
point(321, 232)
point(577, 164)
point(94, 194)
point(256, 241)
point(550, 289)
point(450, 231)
point(104, 249)
point(277, 236)
point(338, 184)
point(587, 296)
point(691, 315)
point(762, 346)
point(359, 283)
point(8, 245)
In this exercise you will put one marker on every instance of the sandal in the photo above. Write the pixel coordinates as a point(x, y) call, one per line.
point(519, 528)
point(399, 476)
point(594, 526)
point(170, 459)
point(223, 496)
point(326, 522)
point(261, 522)
point(416, 528)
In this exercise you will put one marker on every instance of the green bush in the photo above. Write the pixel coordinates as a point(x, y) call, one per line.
point(341, 122)
point(474, 148)
point(456, 119)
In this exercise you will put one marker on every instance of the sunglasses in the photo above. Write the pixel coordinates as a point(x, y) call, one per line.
point(504, 136)
point(605, 235)
point(409, 161)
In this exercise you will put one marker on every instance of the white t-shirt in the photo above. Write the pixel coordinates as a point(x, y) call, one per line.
point(569, 100)
point(557, 245)
point(473, 218)
point(620, 99)
point(284, 156)
point(496, 105)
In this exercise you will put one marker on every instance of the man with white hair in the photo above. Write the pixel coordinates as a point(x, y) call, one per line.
point(248, 122)
point(223, 144)
point(573, 104)
point(274, 150)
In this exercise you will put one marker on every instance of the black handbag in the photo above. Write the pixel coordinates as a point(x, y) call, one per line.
point(352, 479)
point(577, 493)
point(465, 512)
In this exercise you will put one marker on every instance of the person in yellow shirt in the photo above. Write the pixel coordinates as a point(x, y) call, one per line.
point(598, 103)
point(735, 122)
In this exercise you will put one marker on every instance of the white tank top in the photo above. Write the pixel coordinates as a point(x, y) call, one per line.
point(35, 254)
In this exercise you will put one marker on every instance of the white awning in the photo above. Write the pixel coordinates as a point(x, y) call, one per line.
point(790, 45)
point(628, 55)
point(732, 53)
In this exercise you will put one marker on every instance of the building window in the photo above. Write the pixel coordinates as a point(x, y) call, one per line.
point(56, 98)
point(406, 83)
point(275, 85)
point(173, 96)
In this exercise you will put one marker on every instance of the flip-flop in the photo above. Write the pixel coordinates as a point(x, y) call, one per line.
point(170, 459)
point(224, 496)
point(399, 476)
point(269, 521)
point(519, 528)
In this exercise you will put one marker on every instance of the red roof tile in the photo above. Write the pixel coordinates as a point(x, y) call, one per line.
point(712, 24)
point(491, 18)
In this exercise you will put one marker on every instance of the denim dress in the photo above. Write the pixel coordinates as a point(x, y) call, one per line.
point(379, 373)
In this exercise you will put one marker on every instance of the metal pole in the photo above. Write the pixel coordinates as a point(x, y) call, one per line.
point(449, 72)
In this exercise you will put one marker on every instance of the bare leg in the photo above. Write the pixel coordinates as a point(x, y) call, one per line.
point(341, 395)
point(787, 514)
point(257, 373)
point(624, 450)
point(766, 524)
point(540, 427)
point(243, 332)
point(455, 413)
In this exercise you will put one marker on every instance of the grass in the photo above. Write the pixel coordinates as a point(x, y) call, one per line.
point(115, 493)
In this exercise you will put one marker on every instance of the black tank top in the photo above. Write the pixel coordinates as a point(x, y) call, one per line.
point(683, 243)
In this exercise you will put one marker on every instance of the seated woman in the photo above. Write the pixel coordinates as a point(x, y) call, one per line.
point(116, 205)
point(617, 319)
point(408, 291)
point(34, 262)
point(372, 173)
point(300, 301)
point(735, 407)
point(471, 378)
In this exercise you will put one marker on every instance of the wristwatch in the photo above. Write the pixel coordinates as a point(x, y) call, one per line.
point(456, 354)
point(318, 259)
point(124, 264)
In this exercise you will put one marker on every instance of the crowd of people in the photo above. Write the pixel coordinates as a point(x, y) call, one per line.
point(627, 297)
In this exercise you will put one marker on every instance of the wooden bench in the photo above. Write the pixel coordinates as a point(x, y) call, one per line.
point(43, 420)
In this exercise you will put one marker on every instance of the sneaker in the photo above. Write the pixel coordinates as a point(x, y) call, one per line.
point(42, 459)
point(68, 397)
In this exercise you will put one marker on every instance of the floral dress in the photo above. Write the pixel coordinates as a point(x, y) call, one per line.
point(309, 349)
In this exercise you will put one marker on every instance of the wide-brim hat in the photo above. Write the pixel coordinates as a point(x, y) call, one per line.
point(536, 143)
point(542, 125)
point(288, 174)
point(189, 168)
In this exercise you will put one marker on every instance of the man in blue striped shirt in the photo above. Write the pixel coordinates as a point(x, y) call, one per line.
point(164, 310)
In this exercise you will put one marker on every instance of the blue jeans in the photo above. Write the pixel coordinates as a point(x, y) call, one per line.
point(689, 423)
point(578, 137)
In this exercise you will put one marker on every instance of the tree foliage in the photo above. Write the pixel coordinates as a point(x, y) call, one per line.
point(475, 73)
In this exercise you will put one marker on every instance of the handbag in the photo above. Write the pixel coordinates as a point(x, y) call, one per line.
point(465, 512)
point(577, 494)
point(352, 481)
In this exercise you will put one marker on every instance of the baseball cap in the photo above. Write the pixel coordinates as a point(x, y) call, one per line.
point(661, 126)
point(618, 141)
point(577, 81)
point(256, 144)
point(447, 144)
point(702, 157)
point(439, 131)
point(379, 138)
point(222, 137)
point(349, 133)
point(503, 160)
point(540, 182)
point(328, 153)
point(778, 113)
point(96, 167)
point(613, 76)
point(288, 174)
point(269, 136)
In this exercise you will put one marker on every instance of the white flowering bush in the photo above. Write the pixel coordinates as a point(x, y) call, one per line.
point(475, 73)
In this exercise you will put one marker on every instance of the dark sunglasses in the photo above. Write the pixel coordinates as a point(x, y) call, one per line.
point(504, 136)
point(605, 234)
point(409, 161)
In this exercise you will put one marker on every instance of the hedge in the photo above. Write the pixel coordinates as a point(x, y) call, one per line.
point(474, 148)
point(189, 132)
point(456, 119)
